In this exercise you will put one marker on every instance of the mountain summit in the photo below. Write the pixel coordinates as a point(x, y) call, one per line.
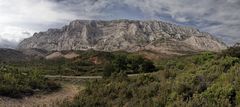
point(126, 35)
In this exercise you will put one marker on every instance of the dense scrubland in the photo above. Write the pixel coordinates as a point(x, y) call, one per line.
point(24, 78)
point(207, 79)
point(17, 83)
point(89, 63)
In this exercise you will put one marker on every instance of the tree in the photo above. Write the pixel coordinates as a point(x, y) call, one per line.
point(120, 62)
point(108, 70)
point(148, 66)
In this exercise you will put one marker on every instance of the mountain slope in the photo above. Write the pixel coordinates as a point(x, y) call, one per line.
point(11, 55)
point(126, 35)
point(7, 55)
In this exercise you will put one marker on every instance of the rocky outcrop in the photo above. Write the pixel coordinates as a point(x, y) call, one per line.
point(57, 55)
point(126, 35)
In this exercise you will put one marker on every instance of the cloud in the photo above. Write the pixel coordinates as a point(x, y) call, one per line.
point(4, 43)
point(11, 40)
point(219, 17)
point(18, 16)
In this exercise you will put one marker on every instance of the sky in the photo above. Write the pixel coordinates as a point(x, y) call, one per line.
point(19, 19)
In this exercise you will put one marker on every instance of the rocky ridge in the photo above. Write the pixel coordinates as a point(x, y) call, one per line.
point(123, 35)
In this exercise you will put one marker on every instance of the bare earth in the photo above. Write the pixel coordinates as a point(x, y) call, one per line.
point(49, 100)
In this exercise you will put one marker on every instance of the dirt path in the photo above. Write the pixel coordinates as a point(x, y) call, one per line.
point(49, 100)
point(73, 77)
point(92, 77)
point(52, 100)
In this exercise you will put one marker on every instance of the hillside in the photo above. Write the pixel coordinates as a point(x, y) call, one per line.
point(11, 55)
point(203, 80)
point(124, 35)
point(85, 63)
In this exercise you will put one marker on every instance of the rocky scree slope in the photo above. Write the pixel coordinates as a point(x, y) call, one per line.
point(123, 35)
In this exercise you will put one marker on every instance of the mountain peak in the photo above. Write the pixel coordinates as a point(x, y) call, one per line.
point(126, 35)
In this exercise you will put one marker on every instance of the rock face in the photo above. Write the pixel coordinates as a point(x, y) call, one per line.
point(126, 35)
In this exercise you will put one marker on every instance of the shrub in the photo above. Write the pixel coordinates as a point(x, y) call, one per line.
point(128, 64)
point(202, 58)
point(232, 51)
point(16, 83)
point(108, 70)
point(192, 81)
point(147, 66)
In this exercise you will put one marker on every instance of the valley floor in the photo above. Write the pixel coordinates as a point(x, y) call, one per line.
point(44, 100)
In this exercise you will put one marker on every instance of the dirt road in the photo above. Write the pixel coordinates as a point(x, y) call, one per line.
point(73, 77)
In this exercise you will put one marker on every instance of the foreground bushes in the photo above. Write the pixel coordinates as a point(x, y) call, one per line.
point(15, 83)
point(202, 80)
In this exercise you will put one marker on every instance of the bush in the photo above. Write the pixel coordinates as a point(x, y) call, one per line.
point(16, 83)
point(192, 81)
point(202, 58)
point(108, 70)
point(129, 64)
point(232, 51)
point(147, 66)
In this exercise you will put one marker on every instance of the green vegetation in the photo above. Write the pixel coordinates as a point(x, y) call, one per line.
point(129, 64)
point(89, 63)
point(17, 83)
point(232, 51)
point(82, 65)
point(23, 78)
point(207, 80)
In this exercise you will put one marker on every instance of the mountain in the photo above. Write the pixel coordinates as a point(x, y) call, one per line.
point(11, 55)
point(236, 45)
point(7, 55)
point(34, 53)
point(124, 35)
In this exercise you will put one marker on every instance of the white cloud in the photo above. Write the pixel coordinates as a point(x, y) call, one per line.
point(18, 16)
point(220, 17)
